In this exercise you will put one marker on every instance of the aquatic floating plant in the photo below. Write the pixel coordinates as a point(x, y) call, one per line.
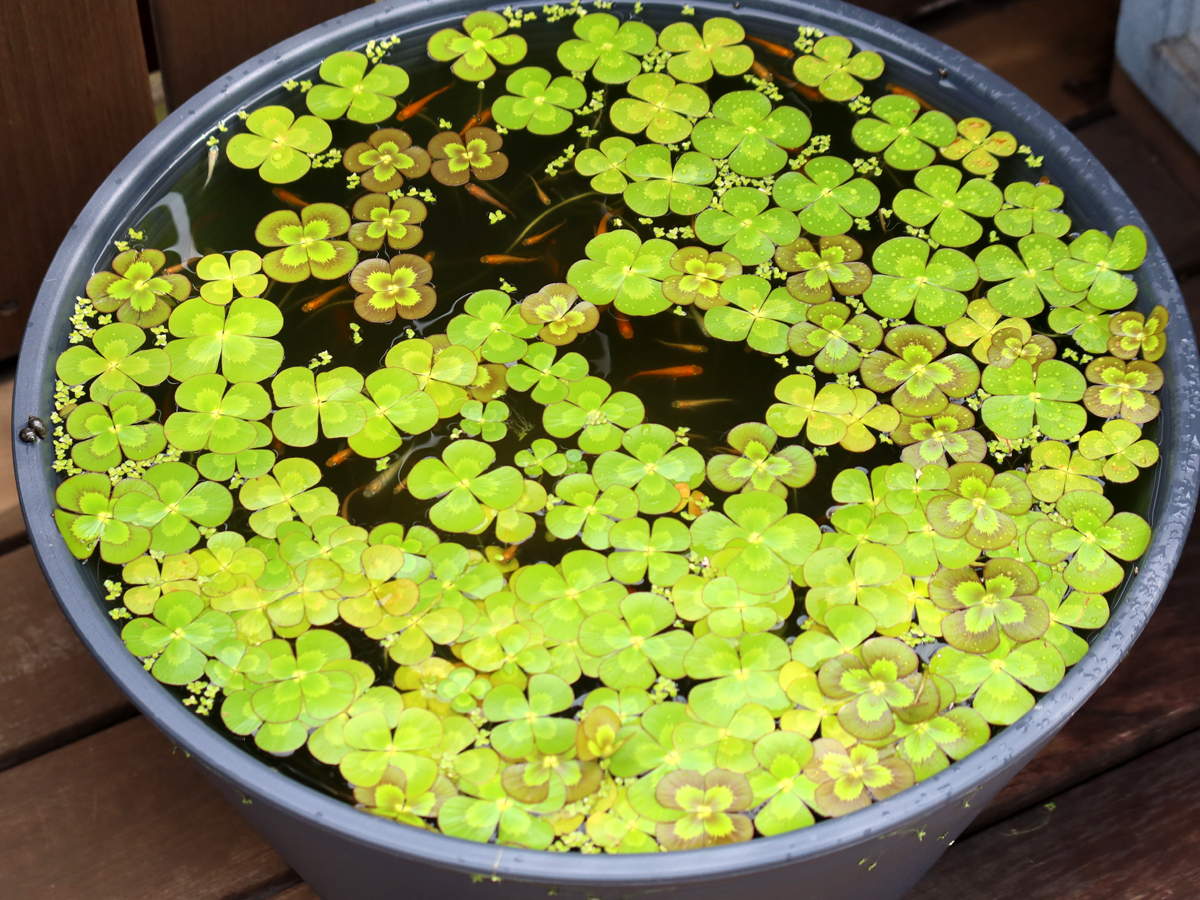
point(502, 571)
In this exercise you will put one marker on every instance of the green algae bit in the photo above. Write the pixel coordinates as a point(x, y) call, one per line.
point(827, 486)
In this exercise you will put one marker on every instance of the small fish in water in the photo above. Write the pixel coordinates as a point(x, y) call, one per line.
point(180, 266)
point(777, 49)
point(380, 481)
point(509, 553)
point(905, 92)
point(698, 404)
point(417, 105)
point(213, 152)
point(1045, 179)
point(686, 348)
point(501, 259)
point(289, 198)
point(762, 71)
point(699, 320)
point(602, 228)
point(542, 195)
point(624, 325)
point(340, 457)
point(430, 255)
point(538, 238)
point(345, 510)
point(400, 486)
point(480, 194)
point(480, 118)
point(320, 301)
point(669, 372)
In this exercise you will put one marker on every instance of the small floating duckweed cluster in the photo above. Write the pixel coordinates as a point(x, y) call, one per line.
point(484, 558)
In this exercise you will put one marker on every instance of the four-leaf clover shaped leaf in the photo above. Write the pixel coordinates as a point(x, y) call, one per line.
point(875, 683)
point(385, 159)
point(540, 104)
point(380, 217)
point(1121, 446)
point(1096, 263)
point(754, 313)
point(116, 363)
point(621, 269)
point(652, 465)
point(528, 719)
point(849, 779)
point(804, 408)
point(241, 271)
point(1033, 209)
point(279, 145)
point(745, 228)
point(588, 512)
point(836, 337)
point(734, 674)
point(826, 195)
point(832, 265)
point(978, 146)
point(560, 313)
point(234, 338)
point(907, 278)
point(759, 468)
point(907, 141)
point(306, 242)
point(375, 745)
point(607, 46)
point(710, 807)
point(1092, 538)
point(442, 370)
point(1133, 333)
point(951, 432)
point(1021, 395)
point(755, 540)
point(834, 72)
point(638, 643)
point(492, 325)
point(1122, 388)
point(755, 138)
point(606, 166)
point(88, 518)
point(473, 53)
point(663, 108)
point(1055, 469)
point(548, 378)
point(396, 287)
point(1088, 325)
point(306, 399)
point(475, 153)
point(940, 197)
point(980, 605)
point(462, 480)
point(106, 435)
point(696, 58)
point(289, 491)
point(179, 503)
point(998, 679)
point(921, 378)
point(1028, 280)
point(697, 277)
point(979, 505)
point(353, 92)
point(220, 415)
point(135, 291)
point(180, 637)
point(641, 549)
point(658, 188)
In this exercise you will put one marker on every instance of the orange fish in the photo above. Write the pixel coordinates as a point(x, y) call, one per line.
point(324, 298)
point(777, 49)
point(696, 404)
point(430, 255)
point(417, 105)
point(602, 228)
point(624, 325)
point(542, 195)
point(904, 92)
point(340, 457)
point(345, 510)
point(480, 118)
point(509, 552)
point(686, 348)
point(480, 194)
point(289, 198)
point(500, 259)
point(670, 372)
point(761, 71)
point(179, 267)
point(538, 238)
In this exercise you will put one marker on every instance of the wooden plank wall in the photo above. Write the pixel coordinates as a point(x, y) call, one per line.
point(199, 42)
point(75, 100)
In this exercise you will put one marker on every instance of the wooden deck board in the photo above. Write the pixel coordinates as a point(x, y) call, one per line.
point(1130, 834)
point(120, 815)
